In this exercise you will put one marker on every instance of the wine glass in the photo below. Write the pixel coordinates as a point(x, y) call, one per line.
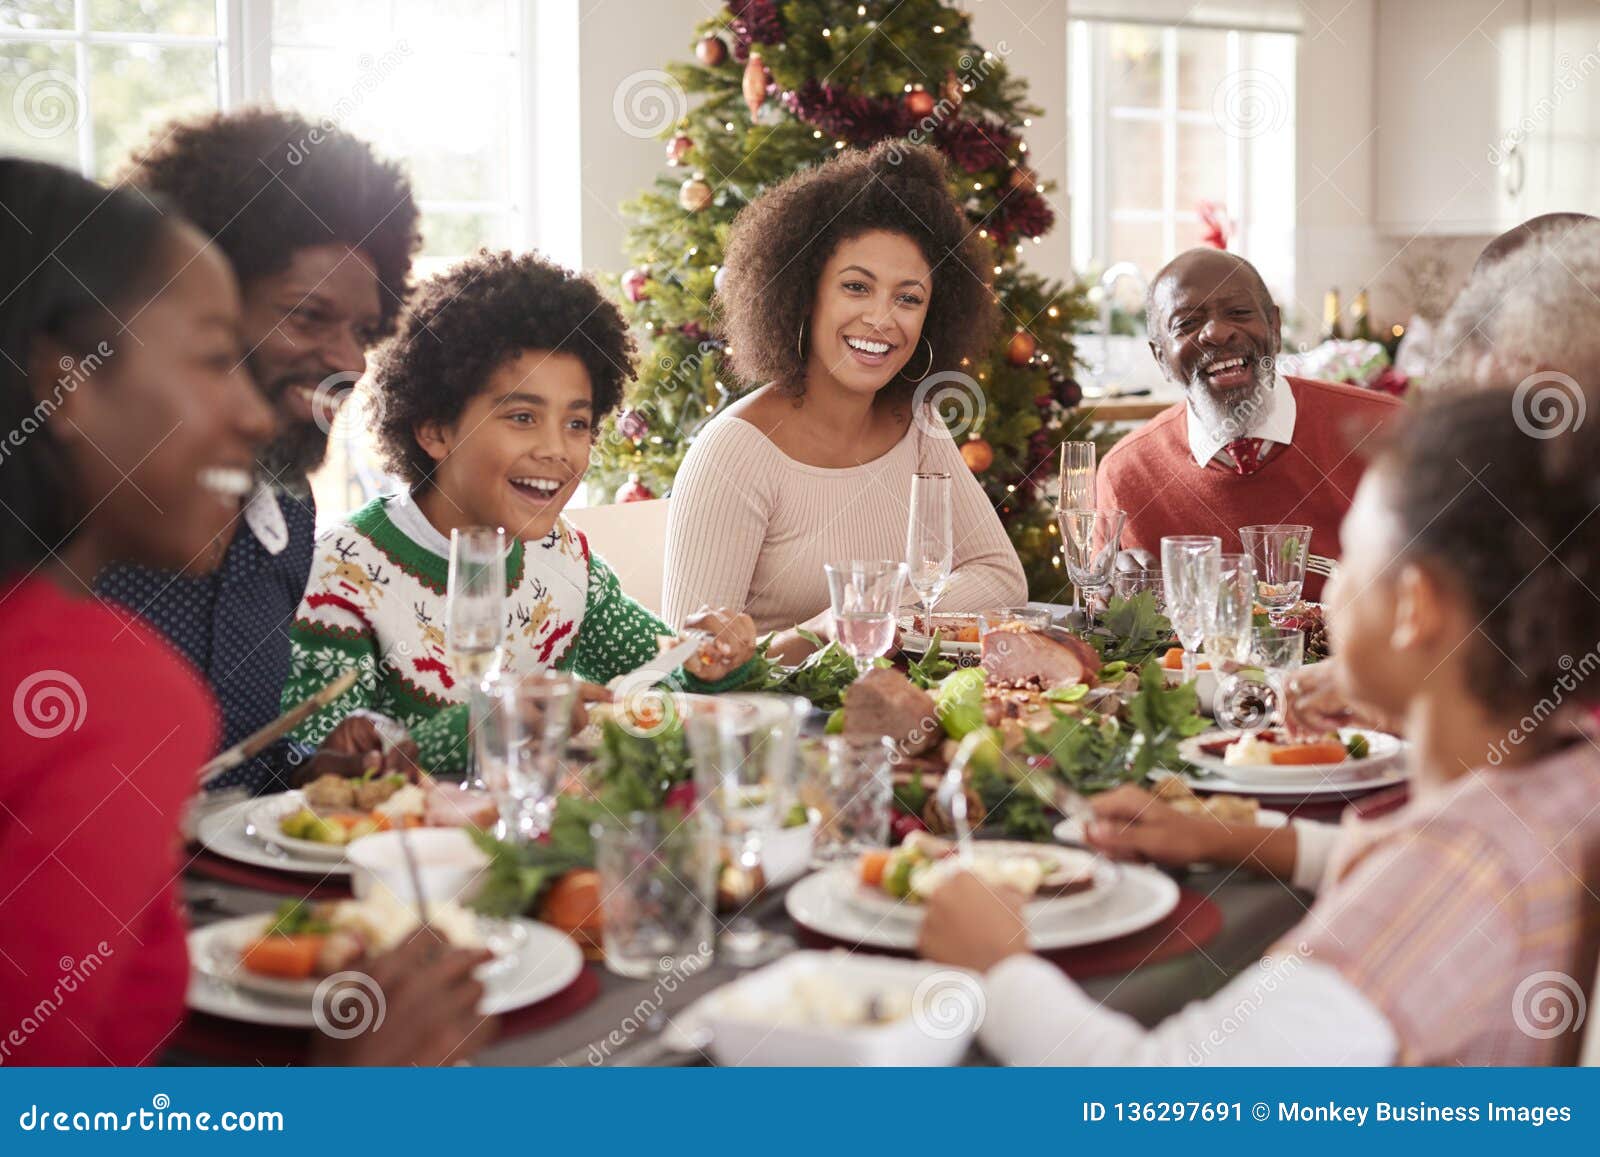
point(1279, 551)
point(1128, 583)
point(520, 730)
point(1191, 568)
point(1076, 491)
point(475, 602)
point(930, 540)
point(745, 749)
point(1279, 651)
point(865, 598)
point(1090, 540)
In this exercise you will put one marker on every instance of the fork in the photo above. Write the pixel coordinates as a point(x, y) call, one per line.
point(1321, 564)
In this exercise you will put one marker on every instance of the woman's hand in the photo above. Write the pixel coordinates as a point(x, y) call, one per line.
point(971, 925)
point(791, 648)
point(733, 642)
point(363, 743)
point(429, 1001)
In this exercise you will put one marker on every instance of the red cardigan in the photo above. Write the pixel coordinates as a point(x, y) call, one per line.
point(107, 727)
point(1152, 475)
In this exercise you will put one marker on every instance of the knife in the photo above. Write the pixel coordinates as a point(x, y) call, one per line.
point(258, 741)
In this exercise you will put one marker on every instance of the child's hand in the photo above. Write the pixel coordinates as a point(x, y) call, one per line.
point(1131, 824)
point(364, 742)
point(733, 642)
point(971, 925)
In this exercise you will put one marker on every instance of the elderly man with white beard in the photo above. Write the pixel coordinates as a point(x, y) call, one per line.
point(1247, 445)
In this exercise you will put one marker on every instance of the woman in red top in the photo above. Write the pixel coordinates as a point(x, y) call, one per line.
point(129, 434)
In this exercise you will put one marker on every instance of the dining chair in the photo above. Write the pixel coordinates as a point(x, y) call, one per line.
point(632, 538)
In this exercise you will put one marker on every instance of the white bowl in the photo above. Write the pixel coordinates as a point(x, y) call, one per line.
point(1205, 686)
point(946, 1007)
point(449, 865)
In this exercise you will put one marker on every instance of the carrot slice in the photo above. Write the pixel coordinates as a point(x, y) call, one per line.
point(1173, 661)
point(873, 865)
point(291, 957)
point(1322, 751)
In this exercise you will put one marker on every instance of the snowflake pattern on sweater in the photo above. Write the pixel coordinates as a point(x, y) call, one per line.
point(376, 602)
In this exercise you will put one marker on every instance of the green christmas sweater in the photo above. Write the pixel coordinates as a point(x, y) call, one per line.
point(375, 602)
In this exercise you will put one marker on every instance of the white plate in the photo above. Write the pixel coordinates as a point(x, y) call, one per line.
point(267, 811)
point(226, 832)
point(1383, 751)
point(877, 903)
point(537, 962)
point(1313, 793)
point(1070, 830)
point(824, 902)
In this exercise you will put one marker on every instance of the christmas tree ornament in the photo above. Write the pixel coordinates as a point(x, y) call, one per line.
point(1023, 178)
point(633, 284)
point(754, 85)
point(720, 279)
point(711, 51)
point(952, 89)
point(919, 102)
point(634, 491)
point(678, 148)
point(1021, 348)
point(977, 454)
point(633, 425)
point(694, 195)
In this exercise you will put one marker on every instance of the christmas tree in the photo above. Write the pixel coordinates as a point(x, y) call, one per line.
point(776, 87)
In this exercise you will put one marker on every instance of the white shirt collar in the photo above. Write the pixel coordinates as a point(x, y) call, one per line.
point(408, 518)
point(1276, 426)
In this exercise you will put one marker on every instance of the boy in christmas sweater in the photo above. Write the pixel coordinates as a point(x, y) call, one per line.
point(487, 402)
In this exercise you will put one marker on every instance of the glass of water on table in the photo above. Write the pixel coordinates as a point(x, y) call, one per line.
point(1278, 551)
point(865, 597)
point(658, 891)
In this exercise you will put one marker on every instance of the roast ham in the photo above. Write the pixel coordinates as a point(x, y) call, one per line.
point(1051, 658)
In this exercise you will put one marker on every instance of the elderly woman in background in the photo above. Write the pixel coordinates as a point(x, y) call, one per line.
point(848, 285)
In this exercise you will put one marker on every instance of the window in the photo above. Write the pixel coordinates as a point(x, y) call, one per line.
point(1165, 118)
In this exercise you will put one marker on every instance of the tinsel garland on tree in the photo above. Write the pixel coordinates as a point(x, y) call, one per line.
point(775, 87)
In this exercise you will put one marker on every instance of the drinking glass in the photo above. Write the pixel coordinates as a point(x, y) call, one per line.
point(1090, 540)
point(866, 597)
point(744, 749)
point(1127, 583)
point(930, 540)
point(520, 728)
point(1076, 490)
point(475, 602)
point(1279, 651)
point(657, 886)
point(1229, 639)
point(1279, 552)
point(846, 786)
point(1191, 568)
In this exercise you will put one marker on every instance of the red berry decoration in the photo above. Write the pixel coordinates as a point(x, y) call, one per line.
point(1021, 348)
point(678, 148)
point(919, 102)
point(633, 284)
point(634, 491)
point(977, 454)
point(711, 51)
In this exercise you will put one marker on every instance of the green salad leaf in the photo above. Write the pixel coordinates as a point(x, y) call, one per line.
point(1132, 631)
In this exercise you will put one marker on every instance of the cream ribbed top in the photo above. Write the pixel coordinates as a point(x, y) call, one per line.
point(749, 527)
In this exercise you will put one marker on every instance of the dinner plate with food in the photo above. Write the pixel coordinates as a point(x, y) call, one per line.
point(1274, 758)
point(958, 633)
point(229, 833)
point(277, 969)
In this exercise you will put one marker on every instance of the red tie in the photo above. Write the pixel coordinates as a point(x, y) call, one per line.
point(1247, 454)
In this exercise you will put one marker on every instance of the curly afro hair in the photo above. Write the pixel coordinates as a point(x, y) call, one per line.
point(265, 183)
point(467, 322)
point(781, 241)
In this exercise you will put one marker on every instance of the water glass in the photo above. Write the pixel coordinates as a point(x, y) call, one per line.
point(657, 887)
point(847, 789)
point(865, 598)
point(1127, 583)
point(520, 728)
point(1191, 569)
point(1279, 551)
point(930, 539)
point(1090, 540)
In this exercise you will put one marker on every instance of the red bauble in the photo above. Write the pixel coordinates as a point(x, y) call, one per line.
point(633, 490)
point(977, 454)
point(633, 284)
point(1021, 348)
point(711, 51)
point(678, 148)
point(919, 102)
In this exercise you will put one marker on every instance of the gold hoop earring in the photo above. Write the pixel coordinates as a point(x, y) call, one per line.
point(929, 366)
point(800, 342)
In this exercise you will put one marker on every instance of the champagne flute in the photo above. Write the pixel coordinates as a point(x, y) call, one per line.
point(1076, 491)
point(1279, 552)
point(865, 597)
point(930, 541)
point(1191, 568)
point(475, 606)
point(1228, 641)
point(1090, 539)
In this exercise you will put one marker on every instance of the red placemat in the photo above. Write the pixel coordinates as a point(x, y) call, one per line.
point(215, 867)
point(1368, 805)
point(1188, 926)
point(224, 1041)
